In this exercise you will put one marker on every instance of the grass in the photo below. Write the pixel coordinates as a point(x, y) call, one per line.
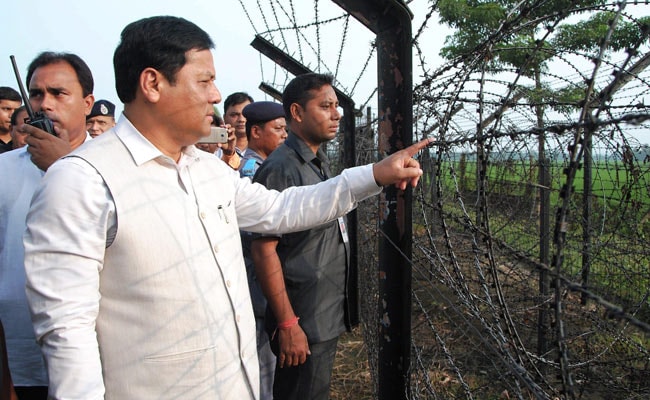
point(611, 181)
point(351, 379)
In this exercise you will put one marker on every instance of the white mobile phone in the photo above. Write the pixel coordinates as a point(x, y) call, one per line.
point(217, 135)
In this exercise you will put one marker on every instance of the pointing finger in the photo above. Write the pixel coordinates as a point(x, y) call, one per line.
point(416, 147)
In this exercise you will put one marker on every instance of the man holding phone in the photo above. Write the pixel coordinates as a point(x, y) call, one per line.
point(233, 116)
point(60, 86)
point(221, 142)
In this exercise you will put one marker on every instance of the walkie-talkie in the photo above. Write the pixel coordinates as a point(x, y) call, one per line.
point(37, 119)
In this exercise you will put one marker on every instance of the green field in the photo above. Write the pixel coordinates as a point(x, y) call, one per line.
point(620, 257)
point(611, 181)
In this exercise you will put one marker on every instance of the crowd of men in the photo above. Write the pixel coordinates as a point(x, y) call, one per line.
point(135, 265)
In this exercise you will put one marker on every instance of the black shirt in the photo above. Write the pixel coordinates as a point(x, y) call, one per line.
point(6, 146)
point(314, 262)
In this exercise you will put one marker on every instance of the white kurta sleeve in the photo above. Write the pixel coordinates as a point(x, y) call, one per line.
point(64, 249)
point(302, 207)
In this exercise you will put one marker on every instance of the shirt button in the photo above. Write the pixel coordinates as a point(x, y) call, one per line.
point(238, 318)
point(216, 248)
point(228, 283)
point(202, 215)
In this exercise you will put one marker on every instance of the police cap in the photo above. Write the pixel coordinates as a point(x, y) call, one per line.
point(102, 107)
point(262, 111)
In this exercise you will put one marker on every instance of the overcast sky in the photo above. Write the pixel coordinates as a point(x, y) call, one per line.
point(91, 29)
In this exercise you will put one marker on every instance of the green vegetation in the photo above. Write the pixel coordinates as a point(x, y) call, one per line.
point(620, 258)
point(611, 181)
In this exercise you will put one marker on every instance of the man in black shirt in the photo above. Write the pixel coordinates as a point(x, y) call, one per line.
point(9, 101)
point(314, 263)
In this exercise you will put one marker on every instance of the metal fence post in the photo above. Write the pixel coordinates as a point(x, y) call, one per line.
point(390, 20)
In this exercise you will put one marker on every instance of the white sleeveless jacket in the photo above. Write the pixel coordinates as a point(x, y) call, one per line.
point(175, 322)
point(164, 312)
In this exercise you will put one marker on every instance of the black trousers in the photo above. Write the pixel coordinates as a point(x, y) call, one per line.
point(31, 392)
point(309, 381)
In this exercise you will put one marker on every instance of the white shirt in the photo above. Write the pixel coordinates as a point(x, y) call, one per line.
point(69, 225)
point(20, 179)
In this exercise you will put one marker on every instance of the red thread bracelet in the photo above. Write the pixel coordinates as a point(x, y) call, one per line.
point(285, 325)
point(288, 323)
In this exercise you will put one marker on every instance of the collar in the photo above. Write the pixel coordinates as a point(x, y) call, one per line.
point(303, 151)
point(250, 153)
point(142, 150)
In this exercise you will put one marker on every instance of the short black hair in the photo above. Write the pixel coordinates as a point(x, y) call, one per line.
point(156, 42)
point(80, 67)
point(236, 98)
point(299, 90)
point(7, 93)
point(14, 115)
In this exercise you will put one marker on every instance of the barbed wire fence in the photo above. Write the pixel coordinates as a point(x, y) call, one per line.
point(531, 261)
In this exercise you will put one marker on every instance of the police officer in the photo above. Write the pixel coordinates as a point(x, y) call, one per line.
point(101, 118)
point(266, 129)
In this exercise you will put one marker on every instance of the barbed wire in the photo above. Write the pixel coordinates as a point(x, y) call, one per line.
point(504, 185)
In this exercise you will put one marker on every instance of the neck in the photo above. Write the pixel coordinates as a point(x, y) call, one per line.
point(77, 140)
point(241, 143)
point(148, 124)
point(258, 150)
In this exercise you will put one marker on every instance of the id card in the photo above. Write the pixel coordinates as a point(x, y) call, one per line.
point(344, 230)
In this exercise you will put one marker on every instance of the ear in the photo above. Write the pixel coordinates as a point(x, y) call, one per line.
point(255, 131)
point(150, 83)
point(88, 103)
point(296, 112)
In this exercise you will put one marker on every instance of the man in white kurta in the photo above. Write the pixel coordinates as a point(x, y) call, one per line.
point(135, 274)
point(168, 298)
point(61, 87)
